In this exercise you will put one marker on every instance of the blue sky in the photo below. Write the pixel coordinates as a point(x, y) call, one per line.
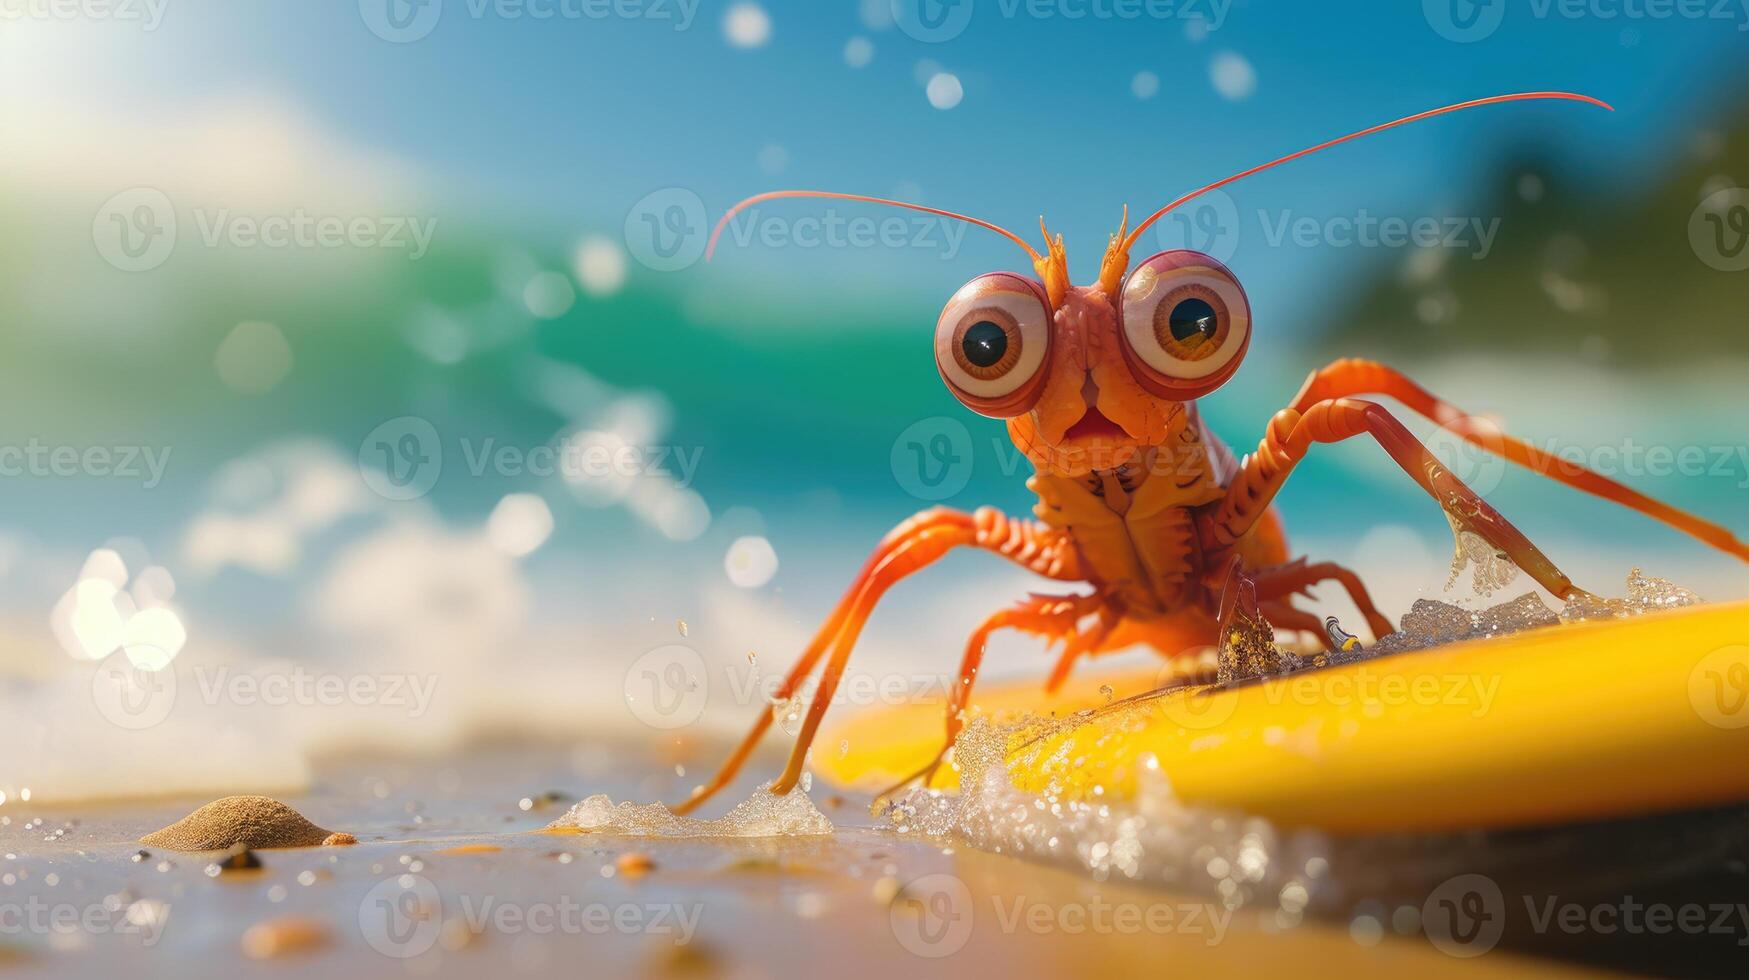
point(577, 118)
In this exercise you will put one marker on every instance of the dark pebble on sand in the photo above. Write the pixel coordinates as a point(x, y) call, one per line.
point(239, 858)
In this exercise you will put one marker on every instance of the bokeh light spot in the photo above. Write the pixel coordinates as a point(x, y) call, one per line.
point(253, 358)
point(751, 562)
point(747, 25)
point(520, 524)
point(944, 90)
point(1233, 76)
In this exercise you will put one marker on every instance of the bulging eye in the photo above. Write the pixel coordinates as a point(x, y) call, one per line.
point(1186, 324)
point(991, 341)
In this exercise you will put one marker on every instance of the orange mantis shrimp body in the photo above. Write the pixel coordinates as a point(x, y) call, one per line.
point(1136, 497)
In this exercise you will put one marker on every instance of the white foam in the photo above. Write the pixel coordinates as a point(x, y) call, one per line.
point(763, 814)
point(1240, 861)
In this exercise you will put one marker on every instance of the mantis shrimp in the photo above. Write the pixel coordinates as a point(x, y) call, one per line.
point(1137, 497)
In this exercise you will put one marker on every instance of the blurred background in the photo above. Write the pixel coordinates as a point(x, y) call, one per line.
point(371, 343)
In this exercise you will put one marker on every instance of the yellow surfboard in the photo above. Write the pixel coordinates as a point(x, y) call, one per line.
point(1568, 723)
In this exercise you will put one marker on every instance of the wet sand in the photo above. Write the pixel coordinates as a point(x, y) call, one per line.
point(451, 877)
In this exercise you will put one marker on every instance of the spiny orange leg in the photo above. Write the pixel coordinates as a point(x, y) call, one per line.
point(1291, 434)
point(1346, 378)
point(1051, 616)
point(1083, 642)
point(1281, 615)
point(1295, 578)
point(909, 547)
point(896, 566)
point(957, 526)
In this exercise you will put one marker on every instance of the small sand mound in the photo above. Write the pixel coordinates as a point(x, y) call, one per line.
point(250, 821)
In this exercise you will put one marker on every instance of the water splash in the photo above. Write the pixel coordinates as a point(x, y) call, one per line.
point(1493, 571)
point(1430, 623)
point(762, 814)
point(1645, 594)
point(788, 713)
point(1243, 861)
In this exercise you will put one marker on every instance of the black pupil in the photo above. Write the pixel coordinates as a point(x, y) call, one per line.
point(1193, 321)
point(984, 343)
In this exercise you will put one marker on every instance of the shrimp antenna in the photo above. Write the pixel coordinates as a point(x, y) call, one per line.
point(1429, 114)
point(833, 195)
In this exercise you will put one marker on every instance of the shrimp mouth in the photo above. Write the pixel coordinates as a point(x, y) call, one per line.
point(1094, 442)
point(1092, 427)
